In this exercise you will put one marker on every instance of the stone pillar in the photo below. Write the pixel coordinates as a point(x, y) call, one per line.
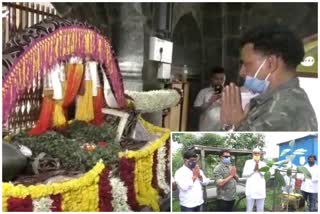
point(130, 44)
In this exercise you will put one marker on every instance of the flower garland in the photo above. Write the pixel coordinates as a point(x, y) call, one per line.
point(105, 190)
point(56, 204)
point(71, 192)
point(161, 169)
point(127, 168)
point(42, 204)
point(145, 193)
point(19, 204)
point(168, 163)
point(152, 101)
point(119, 194)
point(154, 171)
point(137, 171)
point(44, 52)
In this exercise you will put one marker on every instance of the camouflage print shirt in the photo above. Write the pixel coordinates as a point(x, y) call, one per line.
point(228, 191)
point(286, 108)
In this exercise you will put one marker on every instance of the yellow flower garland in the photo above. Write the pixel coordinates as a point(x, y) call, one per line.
point(153, 146)
point(145, 193)
point(72, 191)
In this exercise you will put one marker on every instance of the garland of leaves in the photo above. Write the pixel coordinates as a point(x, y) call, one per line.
point(66, 145)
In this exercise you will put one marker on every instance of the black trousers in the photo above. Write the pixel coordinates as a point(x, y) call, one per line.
point(191, 209)
point(225, 206)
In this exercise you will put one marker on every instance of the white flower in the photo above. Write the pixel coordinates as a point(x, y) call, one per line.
point(42, 205)
point(161, 169)
point(153, 101)
point(119, 194)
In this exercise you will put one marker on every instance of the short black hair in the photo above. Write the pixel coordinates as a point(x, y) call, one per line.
point(273, 38)
point(190, 154)
point(312, 156)
point(216, 70)
point(223, 151)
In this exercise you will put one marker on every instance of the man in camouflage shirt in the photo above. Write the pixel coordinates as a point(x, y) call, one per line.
point(269, 57)
point(226, 179)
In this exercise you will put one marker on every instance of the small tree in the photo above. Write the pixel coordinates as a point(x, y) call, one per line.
point(284, 166)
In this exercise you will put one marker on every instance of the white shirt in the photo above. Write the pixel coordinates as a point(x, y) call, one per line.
point(209, 119)
point(255, 185)
point(311, 185)
point(246, 96)
point(287, 189)
point(190, 192)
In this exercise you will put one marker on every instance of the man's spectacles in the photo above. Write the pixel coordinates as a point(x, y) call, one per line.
point(226, 156)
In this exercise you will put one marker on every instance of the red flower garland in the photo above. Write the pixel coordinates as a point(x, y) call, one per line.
point(45, 118)
point(167, 173)
point(126, 167)
point(105, 192)
point(20, 204)
point(56, 204)
point(98, 103)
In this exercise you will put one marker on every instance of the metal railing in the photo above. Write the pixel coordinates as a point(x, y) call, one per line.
point(20, 15)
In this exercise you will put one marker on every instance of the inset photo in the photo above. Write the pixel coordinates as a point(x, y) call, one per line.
point(244, 172)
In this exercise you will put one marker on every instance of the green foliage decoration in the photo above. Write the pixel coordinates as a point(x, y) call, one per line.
point(66, 145)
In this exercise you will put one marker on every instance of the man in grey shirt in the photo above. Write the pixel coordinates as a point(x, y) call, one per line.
point(270, 55)
point(226, 179)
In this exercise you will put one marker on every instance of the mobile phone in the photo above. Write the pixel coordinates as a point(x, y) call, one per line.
point(217, 89)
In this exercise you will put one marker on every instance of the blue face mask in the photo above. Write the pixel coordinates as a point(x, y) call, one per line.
point(226, 160)
point(192, 164)
point(254, 84)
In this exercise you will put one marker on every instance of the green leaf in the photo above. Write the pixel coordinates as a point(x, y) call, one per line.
point(284, 152)
point(267, 176)
point(264, 169)
point(291, 144)
point(270, 163)
point(289, 172)
point(299, 151)
point(281, 162)
point(279, 179)
point(305, 171)
point(291, 157)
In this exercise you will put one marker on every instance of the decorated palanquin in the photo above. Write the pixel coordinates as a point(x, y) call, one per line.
point(87, 148)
